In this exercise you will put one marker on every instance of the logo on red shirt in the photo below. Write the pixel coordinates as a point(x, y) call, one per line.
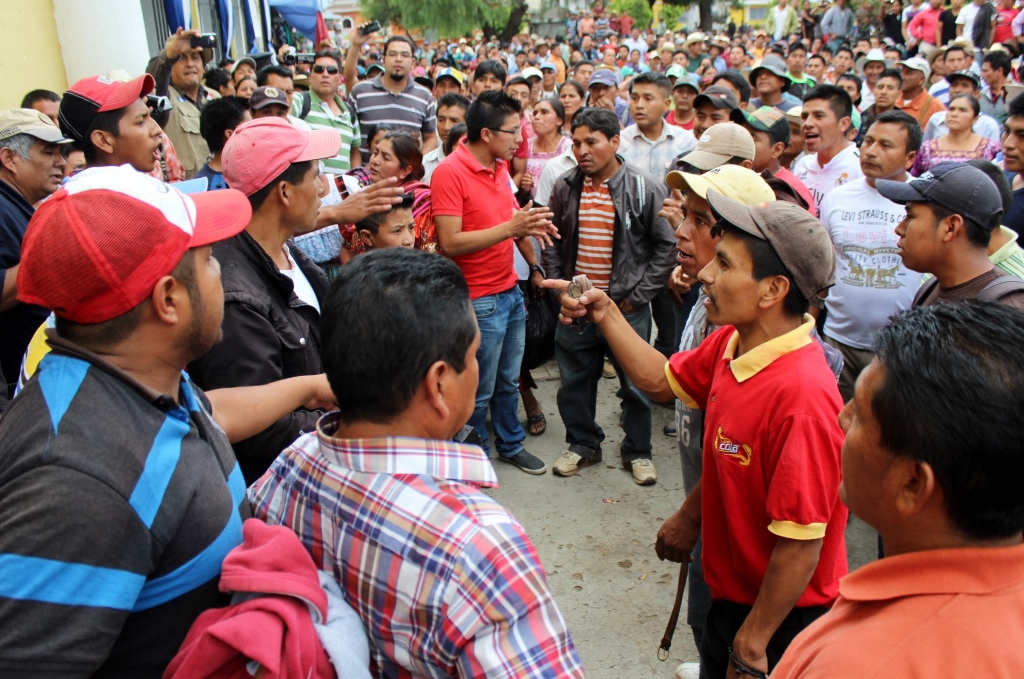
point(740, 452)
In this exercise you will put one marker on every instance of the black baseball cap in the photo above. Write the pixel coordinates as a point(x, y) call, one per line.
point(956, 186)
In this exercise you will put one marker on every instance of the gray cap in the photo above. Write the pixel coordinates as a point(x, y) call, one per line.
point(772, 64)
point(966, 74)
point(800, 241)
point(956, 186)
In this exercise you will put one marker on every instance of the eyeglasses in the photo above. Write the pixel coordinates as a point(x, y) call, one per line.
point(514, 132)
point(320, 68)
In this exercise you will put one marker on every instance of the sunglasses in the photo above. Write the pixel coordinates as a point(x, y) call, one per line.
point(320, 68)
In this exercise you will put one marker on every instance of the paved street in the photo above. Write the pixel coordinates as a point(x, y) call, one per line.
point(595, 535)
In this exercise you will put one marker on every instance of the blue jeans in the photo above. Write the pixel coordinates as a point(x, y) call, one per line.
point(580, 361)
point(502, 321)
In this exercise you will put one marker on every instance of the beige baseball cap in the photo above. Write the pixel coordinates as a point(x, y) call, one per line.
point(718, 144)
point(29, 121)
point(733, 181)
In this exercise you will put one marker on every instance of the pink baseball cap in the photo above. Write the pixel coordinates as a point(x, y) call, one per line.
point(95, 248)
point(260, 150)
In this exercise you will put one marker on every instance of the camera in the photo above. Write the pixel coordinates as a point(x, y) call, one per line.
point(206, 40)
point(292, 58)
point(369, 28)
point(158, 104)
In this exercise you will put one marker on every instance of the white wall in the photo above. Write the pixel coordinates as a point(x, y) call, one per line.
point(97, 36)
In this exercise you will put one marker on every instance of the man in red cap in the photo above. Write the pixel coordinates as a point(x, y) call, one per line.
point(110, 121)
point(121, 493)
point(272, 290)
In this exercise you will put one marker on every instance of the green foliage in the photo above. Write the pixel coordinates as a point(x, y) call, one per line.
point(638, 9)
point(449, 17)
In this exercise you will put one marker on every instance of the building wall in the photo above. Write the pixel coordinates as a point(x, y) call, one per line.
point(97, 37)
point(31, 54)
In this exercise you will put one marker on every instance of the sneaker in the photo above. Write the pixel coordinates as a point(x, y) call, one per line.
point(688, 670)
point(529, 463)
point(608, 372)
point(570, 463)
point(644, 473)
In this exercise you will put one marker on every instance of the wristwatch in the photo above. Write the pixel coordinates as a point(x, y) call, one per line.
point(534, 267)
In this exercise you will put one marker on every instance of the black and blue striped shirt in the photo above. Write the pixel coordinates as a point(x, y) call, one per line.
point(117, 507)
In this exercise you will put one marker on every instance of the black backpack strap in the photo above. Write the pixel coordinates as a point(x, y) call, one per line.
point(306, 103)
point(1001, 287)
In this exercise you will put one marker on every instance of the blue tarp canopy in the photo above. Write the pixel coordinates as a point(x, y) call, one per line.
point(299, 13)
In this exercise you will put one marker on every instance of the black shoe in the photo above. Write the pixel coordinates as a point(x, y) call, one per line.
point(529, 463)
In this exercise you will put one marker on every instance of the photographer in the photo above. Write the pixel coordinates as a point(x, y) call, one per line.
point(177, 72)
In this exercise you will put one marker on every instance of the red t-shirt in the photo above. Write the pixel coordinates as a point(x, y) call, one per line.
point(771, 458)
point(462, 187)
point(670, 118)
point(1003, 30)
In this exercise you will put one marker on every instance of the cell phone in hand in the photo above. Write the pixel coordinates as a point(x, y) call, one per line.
point(204, 40)
point(369, 28)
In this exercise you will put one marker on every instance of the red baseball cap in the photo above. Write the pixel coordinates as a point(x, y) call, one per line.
point(260, 150)
point(98, 94)
point(95, 248)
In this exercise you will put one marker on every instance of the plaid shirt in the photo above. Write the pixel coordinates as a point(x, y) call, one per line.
point(443, 577)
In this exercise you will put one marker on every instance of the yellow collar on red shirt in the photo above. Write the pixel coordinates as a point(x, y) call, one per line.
point(760, 357)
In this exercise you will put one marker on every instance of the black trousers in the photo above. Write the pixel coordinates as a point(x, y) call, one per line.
point(725, 619)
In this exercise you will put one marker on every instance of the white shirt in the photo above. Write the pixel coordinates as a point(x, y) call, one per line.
point(655, 157)
point(780, 21)
point(872, 282)
point(966, 18)
point(986, 126)
point(867, 97)
point(842, 169)
point(431, 161)
point(303, 290)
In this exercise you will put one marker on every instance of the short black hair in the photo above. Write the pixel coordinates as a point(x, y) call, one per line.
point(825, 49)
point(219, 116)
point(998, 178)
point(971, 435)
point(400, 38)
point(736, 79)
point(36, 96)
point(852, 77)
point(489, 111)
point(907, 122)
point(108, 121)
point(490, 66)
point(1015, 108)
point(818, 57)
point(660, 80)
point(765, 263)
point(999, 61)
point(373, 222)
point(954, 48)
point(293, 174)
point(598, 120)
point(273, 69)
point(891, 73)
point(797, 47)
point(977, 235)
point(457, 132)
point(216, 78)
point(518, 80)
point(846, 49)
point(583, 62)
point(450, 99)
point(838, 99)
point(368, 312)
point(333, 54)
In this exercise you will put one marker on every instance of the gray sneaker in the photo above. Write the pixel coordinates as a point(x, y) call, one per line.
point(529, 463)
point(644, 473)
point(569, 463)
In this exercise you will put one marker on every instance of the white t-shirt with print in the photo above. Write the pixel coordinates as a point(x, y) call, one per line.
point(842, 169)
point(871, 281)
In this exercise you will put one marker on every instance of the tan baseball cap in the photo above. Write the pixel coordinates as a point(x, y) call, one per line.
point(29, 121)
point(733, 181)
point(800, 241)
point(718, 144)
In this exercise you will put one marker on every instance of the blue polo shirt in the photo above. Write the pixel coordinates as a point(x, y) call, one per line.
point(19, 323)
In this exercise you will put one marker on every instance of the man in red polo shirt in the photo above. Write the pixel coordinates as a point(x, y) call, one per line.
point(477, 217)
point(771, 518)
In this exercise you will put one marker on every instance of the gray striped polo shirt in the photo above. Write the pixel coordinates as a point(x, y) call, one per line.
point(413, 109)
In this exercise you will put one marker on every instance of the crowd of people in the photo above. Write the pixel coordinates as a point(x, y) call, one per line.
point(265, 321)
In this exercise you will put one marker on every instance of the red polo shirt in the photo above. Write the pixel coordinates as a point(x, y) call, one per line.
point(462, 187)
point(771, 458)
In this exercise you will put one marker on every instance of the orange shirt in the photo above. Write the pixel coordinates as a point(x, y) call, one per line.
point(596, 234)
point(914, 106)
point(937, 613)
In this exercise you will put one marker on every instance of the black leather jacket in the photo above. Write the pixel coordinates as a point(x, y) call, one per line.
point(644, 246)
point(269, 334)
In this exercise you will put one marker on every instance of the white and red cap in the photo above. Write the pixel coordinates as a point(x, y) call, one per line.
point(95, 249)
point(260, 150)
